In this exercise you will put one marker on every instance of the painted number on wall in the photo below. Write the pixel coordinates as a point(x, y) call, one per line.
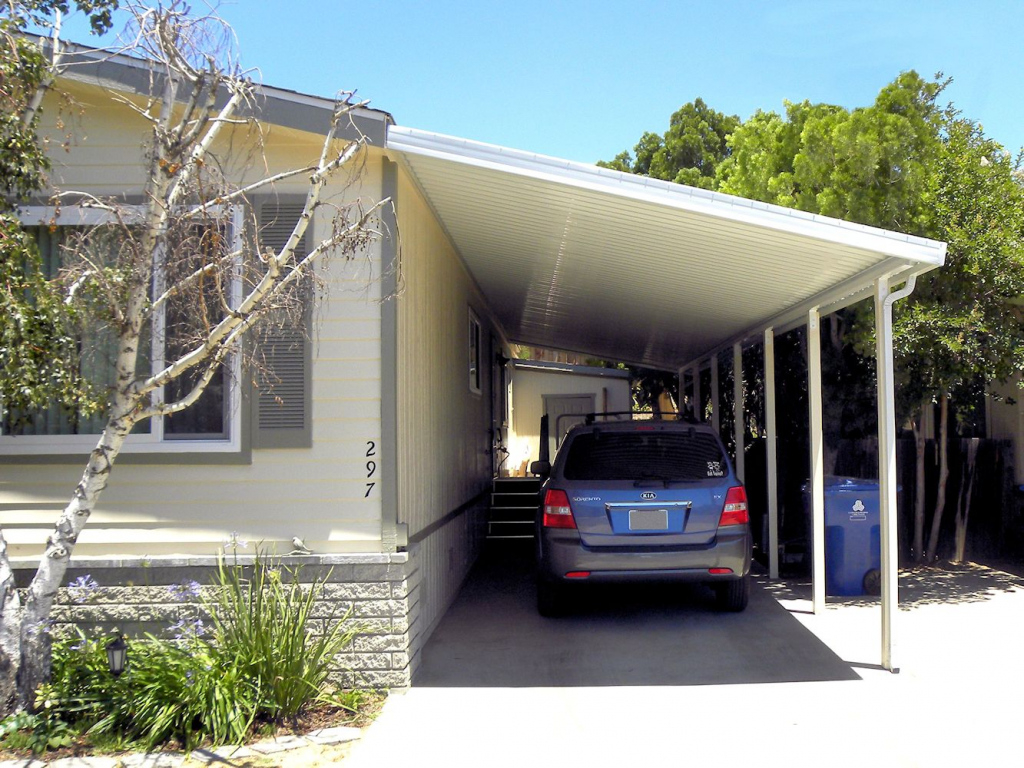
point(371, 466)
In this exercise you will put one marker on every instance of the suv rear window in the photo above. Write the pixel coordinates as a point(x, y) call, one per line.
point(643, 456)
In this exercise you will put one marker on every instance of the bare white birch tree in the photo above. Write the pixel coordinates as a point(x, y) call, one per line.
point(172, 263)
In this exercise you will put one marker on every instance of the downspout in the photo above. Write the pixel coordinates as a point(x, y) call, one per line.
point(884, 301)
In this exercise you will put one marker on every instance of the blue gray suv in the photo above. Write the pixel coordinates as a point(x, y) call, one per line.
point(641, 501)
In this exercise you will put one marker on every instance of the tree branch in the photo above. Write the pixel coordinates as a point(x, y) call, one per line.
point(203, 146)
point(188, 280)
point(56, 54)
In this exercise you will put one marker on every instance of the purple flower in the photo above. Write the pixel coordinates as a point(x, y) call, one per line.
point(233, 542)
point(185, 591)
point(42, 627)
point(188, 630)
point(188, 679)
point(81, 588)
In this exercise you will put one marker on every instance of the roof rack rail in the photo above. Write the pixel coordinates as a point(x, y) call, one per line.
point(687, 417)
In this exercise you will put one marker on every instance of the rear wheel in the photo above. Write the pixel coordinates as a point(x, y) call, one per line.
point(873, 582)
point(733, 595)
point(550, 601)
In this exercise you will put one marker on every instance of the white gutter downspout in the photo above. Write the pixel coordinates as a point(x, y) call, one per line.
point(884, 301)
point(716, 413)
point(817, 479)
point(772, 453)
point(698, 410)
point(737, 411)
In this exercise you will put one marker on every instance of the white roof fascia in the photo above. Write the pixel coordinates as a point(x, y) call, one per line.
point(699, 201)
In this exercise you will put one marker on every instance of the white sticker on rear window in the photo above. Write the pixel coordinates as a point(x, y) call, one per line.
point(715, 469)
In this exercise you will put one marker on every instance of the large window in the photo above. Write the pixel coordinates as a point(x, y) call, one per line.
point(210, 424)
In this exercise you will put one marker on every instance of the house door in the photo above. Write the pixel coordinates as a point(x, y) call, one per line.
point(574, 408)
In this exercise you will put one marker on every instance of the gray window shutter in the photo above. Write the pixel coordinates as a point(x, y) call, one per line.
point(283, 407)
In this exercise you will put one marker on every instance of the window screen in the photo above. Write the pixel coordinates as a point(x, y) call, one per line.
point(644, 455)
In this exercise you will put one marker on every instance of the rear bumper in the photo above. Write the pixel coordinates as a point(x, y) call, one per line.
point(560, 552)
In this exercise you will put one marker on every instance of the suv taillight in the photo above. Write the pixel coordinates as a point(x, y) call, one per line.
point(557, 512)
point(735, 510)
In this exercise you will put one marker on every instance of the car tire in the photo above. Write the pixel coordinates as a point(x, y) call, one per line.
point(873, 582)
point(733, 595)
point(550, 601)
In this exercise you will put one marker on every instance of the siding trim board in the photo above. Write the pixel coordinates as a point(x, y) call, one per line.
point(393, 533)
point(435, 526)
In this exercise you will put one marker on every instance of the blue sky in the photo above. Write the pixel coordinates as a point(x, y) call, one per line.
point(583, 80)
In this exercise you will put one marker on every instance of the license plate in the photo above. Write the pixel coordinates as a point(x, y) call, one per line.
point(648, 519)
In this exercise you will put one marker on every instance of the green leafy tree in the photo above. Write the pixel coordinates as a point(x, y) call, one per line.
point(688, 153)
point(965, 324)
point(873, 165)
point(38, 354)
point(38, 350)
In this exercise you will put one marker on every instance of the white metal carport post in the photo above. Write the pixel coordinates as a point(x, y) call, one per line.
point(698, 411)
point(817, 461)
point(887, 457)
point(737, 409)
point(772, 453)
point(715, 412)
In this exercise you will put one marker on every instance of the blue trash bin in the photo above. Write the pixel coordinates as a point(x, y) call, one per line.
point(853, 535)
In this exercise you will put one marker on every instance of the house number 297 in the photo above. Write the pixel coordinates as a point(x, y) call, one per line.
point(371, 466)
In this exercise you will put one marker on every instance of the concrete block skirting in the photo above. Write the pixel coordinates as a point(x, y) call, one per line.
point(376, 591)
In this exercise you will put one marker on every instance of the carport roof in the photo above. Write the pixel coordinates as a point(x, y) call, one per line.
point(627, 268)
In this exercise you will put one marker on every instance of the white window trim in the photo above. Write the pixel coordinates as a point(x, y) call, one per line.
point(154, 441)
point(476, 378)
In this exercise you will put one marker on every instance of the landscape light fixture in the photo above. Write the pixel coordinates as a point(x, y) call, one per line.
point(117, 655)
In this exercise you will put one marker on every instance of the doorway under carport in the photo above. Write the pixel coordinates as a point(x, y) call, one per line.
point(628, 268)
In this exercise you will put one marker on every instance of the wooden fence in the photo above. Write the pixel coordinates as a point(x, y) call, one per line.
point(995, 528)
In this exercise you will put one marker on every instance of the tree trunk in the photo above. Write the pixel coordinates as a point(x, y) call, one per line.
point(920, 445)
point(10, 631)
point(35, 621)
point(940, 498)
point(963, 509)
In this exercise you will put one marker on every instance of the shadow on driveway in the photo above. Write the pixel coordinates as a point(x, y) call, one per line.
point(921, 586)
point(492, 636)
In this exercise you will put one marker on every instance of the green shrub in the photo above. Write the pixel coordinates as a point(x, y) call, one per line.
point(187, 692)
point(264, 621)
point(259, 660)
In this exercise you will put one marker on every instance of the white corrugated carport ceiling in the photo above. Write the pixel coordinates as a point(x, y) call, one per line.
point(632, 269)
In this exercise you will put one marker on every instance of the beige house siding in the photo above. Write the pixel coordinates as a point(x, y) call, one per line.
point(189, 507)
point(444, 444)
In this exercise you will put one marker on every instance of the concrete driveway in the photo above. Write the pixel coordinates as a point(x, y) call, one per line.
point(666, 678)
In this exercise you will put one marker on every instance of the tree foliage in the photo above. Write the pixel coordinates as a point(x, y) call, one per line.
point(689, 152)
point(872, 165)
point(38, 353)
